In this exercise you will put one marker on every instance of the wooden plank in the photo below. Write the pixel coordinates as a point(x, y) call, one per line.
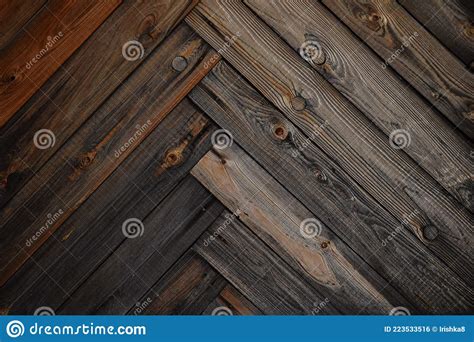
point(75, 91)
point(276, 217)
point(414, 53)
point(43, 45)
point(442, 152)
point(169, 230)
point(230, 300)
point(14, 15)
point(186, 289)
point(450, 21)
point(100, 145)
point(76, 249)
point(309, 101)
point(325, 188)
point(256, 271)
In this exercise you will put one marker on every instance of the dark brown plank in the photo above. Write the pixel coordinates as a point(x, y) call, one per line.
point(256, 271)
point(451, 21)
point(231, 302)
point(417, 56)
point(14, 15)
point(349, 138)
point(186, 289)
point(99, 146)
point(276, 217)
point(43, 45)
point(384, 98)
point(77, 248)
point(76, 90)
point(326, 189)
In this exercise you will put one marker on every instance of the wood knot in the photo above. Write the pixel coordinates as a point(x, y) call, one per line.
point(280, 132)
point(298, 103)
point(147, 30)
point(179, 63)
point(325, 244)
point(87, 159)
point(430, 232)
point(320, 176)
point(173, 157)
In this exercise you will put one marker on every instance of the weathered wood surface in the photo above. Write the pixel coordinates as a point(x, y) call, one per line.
point(78, 88)
point(451, 21)
point(75, 250)
point(349, 139)
point(354, 70)
point(414, 53)
point(325, 188)
point(256, 271)
point(100, 145)
point(294, 233)
point(231, 299)
point(43, 45)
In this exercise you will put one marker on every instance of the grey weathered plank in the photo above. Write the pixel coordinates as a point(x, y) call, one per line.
point(274, 215)
point(325, 188)
point(81, 85)
point(256, 271)
point(169, 230)
point(353, 69)
point(309, 101)
point(421, 59)
point(100, 145)
point(76, 249)
point(451, 21)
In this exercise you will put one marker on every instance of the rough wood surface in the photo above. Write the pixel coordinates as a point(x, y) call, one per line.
point(231, 299)
point(43, 45)
point(355, 71)
point(349, 139)
point(415, 54)
point(325, 188)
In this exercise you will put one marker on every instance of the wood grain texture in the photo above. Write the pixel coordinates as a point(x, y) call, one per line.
point(426, 64)
point(451, 21)
point(76, 249)
point(230, 298)
point(354, 70)
point(256, 271)
point(276, 217)
point(43, 45)
point(100, 145)
point(326, 189)
point(14, 15)
point(77, 89)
